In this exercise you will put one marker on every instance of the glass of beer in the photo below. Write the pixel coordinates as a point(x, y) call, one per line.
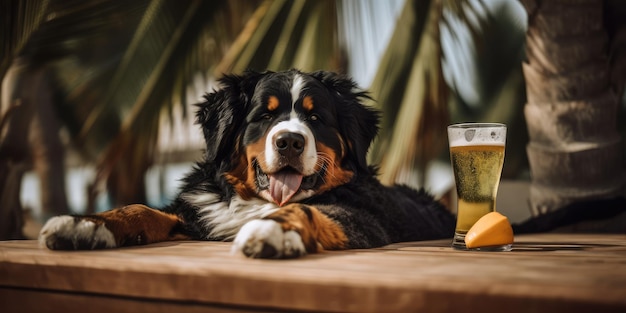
point(477, 157)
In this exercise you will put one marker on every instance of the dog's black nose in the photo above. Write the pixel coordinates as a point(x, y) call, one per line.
point(289, 144)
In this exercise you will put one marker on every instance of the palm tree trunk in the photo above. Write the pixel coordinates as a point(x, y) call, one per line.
point(29, 133)
point(45, 143)
point(14, 122)
point(575, 150)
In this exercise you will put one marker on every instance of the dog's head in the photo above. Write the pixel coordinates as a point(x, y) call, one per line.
point(286, 136)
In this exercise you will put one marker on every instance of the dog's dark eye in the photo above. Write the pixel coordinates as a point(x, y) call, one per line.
point(314, 117)
point(267, 116)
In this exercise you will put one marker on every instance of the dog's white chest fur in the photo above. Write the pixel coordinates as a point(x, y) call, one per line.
point(224, 219)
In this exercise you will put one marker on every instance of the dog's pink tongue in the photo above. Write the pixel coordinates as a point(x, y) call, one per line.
point(283, 185)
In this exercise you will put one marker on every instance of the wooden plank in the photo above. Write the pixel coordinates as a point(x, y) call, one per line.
point(552, 273)
point(26, 300)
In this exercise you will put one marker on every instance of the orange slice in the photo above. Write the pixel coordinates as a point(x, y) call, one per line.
point(493, 229)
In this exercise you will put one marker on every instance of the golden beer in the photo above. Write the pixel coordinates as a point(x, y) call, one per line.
point(477, 157)
point(477, 175)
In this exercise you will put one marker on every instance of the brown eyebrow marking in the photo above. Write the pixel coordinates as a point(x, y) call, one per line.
point(307, 103)
point(272, 103)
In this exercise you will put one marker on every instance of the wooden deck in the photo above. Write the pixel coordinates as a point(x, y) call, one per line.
point(544, 273)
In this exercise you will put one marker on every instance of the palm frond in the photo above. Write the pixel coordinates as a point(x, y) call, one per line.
point(19, 20)
point(318, 44)
point(286, 34)
point(178, 53)
point(487, 80)
point(394, 70)
point(417, 136)
point(144, 60)
point(119, 65)
point(474, 14)
point(411, 86)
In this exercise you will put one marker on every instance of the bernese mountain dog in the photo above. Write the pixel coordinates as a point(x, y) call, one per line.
point(284, 174)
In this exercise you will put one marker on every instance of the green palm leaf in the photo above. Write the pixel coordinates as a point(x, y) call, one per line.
point(410, 89)
point(287, 34)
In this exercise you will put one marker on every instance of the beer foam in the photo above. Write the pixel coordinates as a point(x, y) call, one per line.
point(476, 136)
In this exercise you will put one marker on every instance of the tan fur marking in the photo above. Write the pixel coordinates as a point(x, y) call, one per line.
point(307, 103)
point(242, 176)
point(272, 103)
point(138, 224)
point(317, 230)
point(335, 174)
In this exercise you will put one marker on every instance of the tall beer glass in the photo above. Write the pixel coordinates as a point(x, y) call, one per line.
point(477, 157)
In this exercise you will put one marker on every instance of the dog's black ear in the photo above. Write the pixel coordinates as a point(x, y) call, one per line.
point(358, 123)
point(223, 112)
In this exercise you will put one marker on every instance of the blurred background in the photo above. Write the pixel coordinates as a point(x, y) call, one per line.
point(98, 96)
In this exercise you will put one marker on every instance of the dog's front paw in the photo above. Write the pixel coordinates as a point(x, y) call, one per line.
point(75, 233)
point(267, 239)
